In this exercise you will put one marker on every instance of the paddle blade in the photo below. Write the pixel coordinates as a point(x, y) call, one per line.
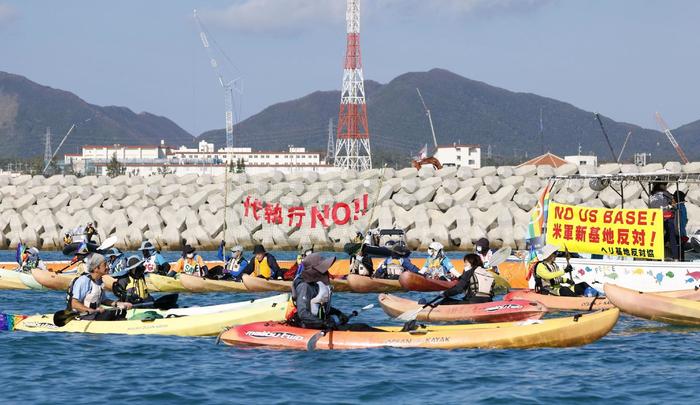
point(9, 321)
point(165, 302)
point(108, 243)
point(500, 256)
point(410, 315)
point(311, 344)
point(366, 307)
point(61, 318)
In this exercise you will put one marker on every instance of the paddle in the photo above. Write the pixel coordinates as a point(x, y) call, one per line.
point(499, 257)
point(169, 301)
point(108, 243)
point(311, 344)
point(568, 269)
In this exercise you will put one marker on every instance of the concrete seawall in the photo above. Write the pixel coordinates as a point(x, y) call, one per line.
point(453, 206)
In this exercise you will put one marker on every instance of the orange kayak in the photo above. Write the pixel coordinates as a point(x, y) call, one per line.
point(416, 282)
point(364, 284)
point(557, 332)
point(676, 311)
point(497, 311)
point(258, 284)
point(557, 303)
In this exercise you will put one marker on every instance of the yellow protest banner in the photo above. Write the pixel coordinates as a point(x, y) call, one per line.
point(607, 231)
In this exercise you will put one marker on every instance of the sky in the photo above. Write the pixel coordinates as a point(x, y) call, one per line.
point(623, 58)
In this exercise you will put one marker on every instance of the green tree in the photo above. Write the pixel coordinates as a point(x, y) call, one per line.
point(114, 168)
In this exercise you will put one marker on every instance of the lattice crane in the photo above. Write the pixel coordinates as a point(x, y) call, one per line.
point(671, 138)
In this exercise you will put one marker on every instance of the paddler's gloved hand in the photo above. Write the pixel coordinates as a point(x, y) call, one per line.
point(330, 324)
point(568, 268)
point(343, 319)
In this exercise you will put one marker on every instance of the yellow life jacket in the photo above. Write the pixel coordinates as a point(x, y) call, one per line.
point(136, 288)
point(262, 268)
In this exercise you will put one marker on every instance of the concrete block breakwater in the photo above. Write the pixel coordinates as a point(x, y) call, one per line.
point(455, 206)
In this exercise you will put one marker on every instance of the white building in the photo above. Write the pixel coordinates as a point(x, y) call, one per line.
point(582, 160)
point(159, 159)
point(459, 155)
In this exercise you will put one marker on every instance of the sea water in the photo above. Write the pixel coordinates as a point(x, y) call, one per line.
point(639, 361)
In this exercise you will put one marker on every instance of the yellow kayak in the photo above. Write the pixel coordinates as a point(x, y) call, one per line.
point(158, 283)
point(204, 324)
point(204, 285)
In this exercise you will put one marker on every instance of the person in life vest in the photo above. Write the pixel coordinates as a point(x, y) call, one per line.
point(86, 295)
point(131, 282)
point(153, 261)
point(660, 197)
point(392, 267)
point(298, 267)
point(30, 260)
point(483, 249)
point(233, 265)
point(312, 293)
point(263, 265)
point(190, 263)
point(475, 282)
point(115, 260)
point(549, 279)
point(90, 232)
point(360, 263)
point(437, 265)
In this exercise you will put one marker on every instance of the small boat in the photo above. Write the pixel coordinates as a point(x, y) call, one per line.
point(675, 311)
point(258, 284)
point(53, 281)
point(496, 311)
point(206, 324)
point(416, 282)
point(340, 285)
point(160, 283)
point(204, 285)
point(557, 303)
point(10, 280)
point(365, 284)
point(557, 332)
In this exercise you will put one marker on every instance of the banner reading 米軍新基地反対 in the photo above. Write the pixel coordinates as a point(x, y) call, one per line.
point(607, 231)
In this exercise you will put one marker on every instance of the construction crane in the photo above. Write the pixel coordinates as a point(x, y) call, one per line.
point(607, 138)
point(430, 118)
point(228, 86)
point(671, 138)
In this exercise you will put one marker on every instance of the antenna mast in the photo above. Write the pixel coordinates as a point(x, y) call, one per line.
point(671, 138)
point(352, 148)
point(330, 151)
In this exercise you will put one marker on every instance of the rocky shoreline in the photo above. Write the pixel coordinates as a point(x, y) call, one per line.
point(455, 206)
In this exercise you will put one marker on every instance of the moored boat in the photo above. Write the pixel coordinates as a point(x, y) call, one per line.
point(364, 284)
point(557, 332)
point(496, 311)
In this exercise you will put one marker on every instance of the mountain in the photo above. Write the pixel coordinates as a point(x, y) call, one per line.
point(464, 111)
point(28, 108)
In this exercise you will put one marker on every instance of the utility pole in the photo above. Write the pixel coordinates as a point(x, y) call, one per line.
point(47, 148)
point(330, 150)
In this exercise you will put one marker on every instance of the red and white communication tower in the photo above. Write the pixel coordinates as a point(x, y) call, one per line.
point(352, 149)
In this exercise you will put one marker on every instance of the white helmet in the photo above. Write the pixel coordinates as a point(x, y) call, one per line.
point(435, 249)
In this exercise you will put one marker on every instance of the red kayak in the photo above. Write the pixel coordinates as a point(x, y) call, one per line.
point(416, 282)
point(496, 311)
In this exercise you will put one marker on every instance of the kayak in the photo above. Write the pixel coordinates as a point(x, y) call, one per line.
point(53, 281)
point(411, 281)
point(557, 303)
point(159, 283)
point(204, 285)
point(364, 284)
point(497, 311)
point(210, 309)
point(340, 285)
point(10, 280)
point(557, 332)
point(259, 284)
point(207, 324)
point(676, 311)
point(28, 280)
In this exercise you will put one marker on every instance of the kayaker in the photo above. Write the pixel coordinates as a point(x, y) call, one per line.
point(30, 260)
point(115, 260)
point(392, 267)
point(549, 278)
point(298, 266)
point(233, 265)
point(90, 232)
point(311, 294)
point(475, 282)
point(483, 249)
point(154, 262)
point(360, 263)
point(661, 198)
point(190, 263)
point(682, 218)
point(263, 265)
point(437, 265)
point(131, 282)
point(86, 294)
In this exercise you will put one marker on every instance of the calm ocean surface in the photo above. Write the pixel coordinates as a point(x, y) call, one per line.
point(639, 361)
